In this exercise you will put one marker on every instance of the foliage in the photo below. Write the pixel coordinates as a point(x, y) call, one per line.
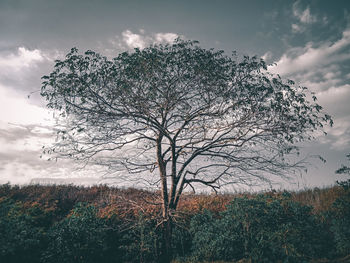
point(22, 232)
point(341, 220)
point(211, 242)
point(262, 229)
point(81, 237)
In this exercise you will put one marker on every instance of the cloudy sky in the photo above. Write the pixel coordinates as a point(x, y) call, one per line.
point(308, 40)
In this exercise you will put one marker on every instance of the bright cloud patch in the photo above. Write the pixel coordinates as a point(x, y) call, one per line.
point(22, 58)
point(309, 57)
point(134, 40)
point(141, 40)
point(129, 40)
point(15, 68)
point(17, 110)
point(165, 37)
point(22, 68)
point(24, 128)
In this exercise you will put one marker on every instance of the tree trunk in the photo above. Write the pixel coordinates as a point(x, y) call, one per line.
point(166, 253)
point(166, 226)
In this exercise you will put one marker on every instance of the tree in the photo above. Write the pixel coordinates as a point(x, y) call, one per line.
point(180, 115)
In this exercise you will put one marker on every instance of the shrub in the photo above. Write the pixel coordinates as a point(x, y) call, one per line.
point(214, 239)
point(261, 229)
point(81, 237)
point(21, 238)
point(341, 220)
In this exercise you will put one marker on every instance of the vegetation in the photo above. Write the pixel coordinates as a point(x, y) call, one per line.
point(104, 224)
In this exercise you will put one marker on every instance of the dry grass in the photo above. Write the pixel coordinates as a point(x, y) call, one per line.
point(129, 202)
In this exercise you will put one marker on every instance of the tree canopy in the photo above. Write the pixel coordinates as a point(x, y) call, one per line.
point(197, 115)
point(177, 115)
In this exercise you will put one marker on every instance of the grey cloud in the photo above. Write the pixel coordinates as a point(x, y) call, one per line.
point(21, 70)
point(30, 158)
point(304, 16)
point(309, 57)
point(336, 100)
point(22, 132)
point(20, 166)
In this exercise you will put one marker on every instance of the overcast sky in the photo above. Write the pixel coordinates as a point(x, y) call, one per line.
point(308, 40)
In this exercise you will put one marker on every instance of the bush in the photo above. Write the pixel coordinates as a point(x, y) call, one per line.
point(261, 229)
point(21, 238)
point(81, 237)
point(214, 239)
point(341, 220)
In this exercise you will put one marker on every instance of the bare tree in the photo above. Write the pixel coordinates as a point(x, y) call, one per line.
point(182, 115)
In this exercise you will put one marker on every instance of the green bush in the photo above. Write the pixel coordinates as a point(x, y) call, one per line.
point(340, 218)
point(215, 238)
point(21, 237)
point(81, 237)
point(261, 229)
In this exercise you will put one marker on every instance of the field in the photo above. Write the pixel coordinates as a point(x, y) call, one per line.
point(66, 223)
